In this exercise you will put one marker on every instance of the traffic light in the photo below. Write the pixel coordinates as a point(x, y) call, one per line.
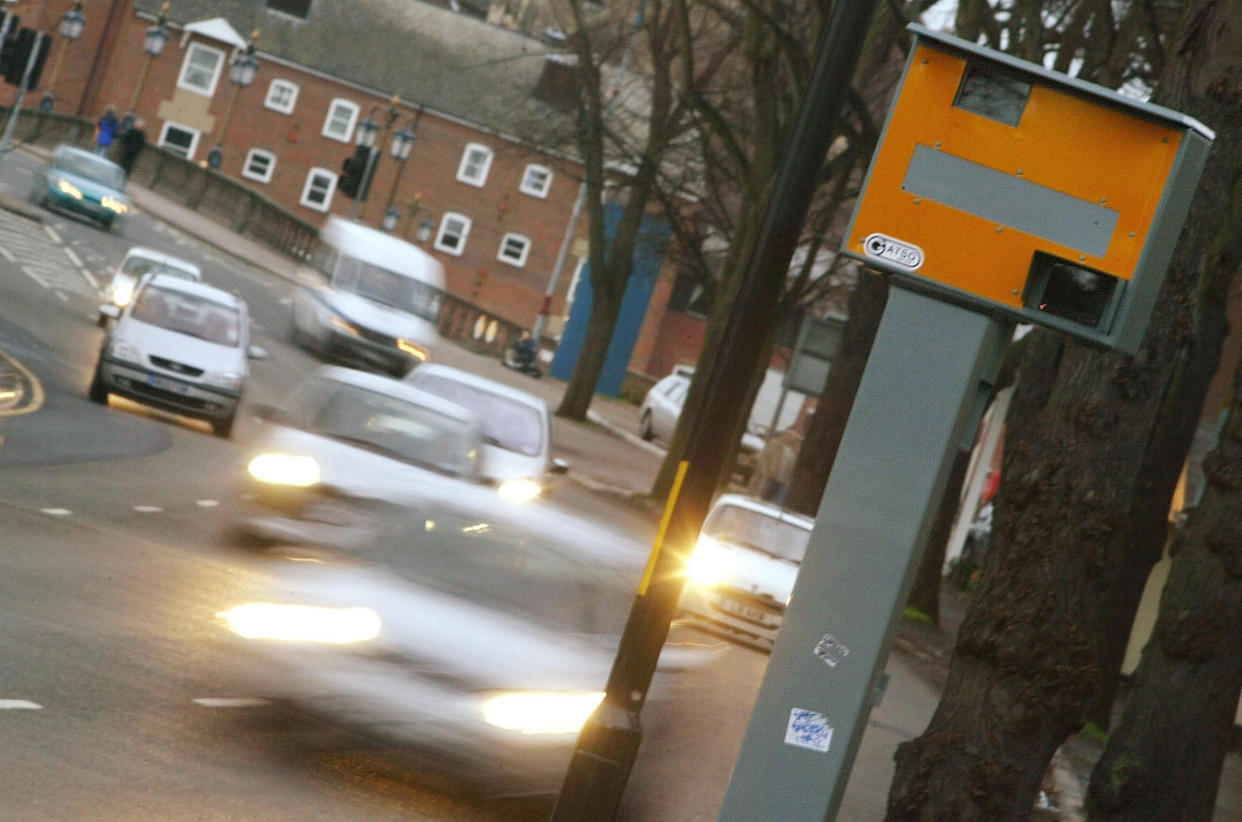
point(20, 50)
point(355, 168)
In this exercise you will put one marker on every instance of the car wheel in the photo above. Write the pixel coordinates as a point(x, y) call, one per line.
point(644, 427)
point(223, 428)
point(97, 392)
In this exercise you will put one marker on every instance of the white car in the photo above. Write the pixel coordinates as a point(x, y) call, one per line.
point(180, 346)
point(742, 571)
point(516, 433)
point(140, 262)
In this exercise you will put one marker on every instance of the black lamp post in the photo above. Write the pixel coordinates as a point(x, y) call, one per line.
point(242, 70)
point(71, 25)
point(402, 145)
point(153, 45)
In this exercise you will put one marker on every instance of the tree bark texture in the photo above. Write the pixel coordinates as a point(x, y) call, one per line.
point(1094, 441)
point(1163, 762)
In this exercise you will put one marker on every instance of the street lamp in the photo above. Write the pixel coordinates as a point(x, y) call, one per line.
point(368, 130)
point(153, 44)
point(402, 145)
point(425, 228)
point(71, 25)
point(242, 70)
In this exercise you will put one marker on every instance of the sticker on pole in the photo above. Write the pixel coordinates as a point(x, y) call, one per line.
point(808, 729)
point(891, 250)
point(831, 651)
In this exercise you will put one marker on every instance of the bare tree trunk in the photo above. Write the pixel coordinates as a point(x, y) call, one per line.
point(1082, 456)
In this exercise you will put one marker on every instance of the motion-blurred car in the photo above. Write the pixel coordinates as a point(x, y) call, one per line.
point(80, 182)
point(742, 570)
point(516, 434)
point(479, 640)
point(349, 442)
point(140, 262)
point(180, 346)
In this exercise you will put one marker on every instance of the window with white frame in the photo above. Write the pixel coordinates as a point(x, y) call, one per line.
point(201, 69)
point(320, 185)
point(259, 165)
point(179, 139)
point(339, 124)
point(281, 96)
point(513, 249)
point(475, 162)
point(454, 229)
point(536, 180)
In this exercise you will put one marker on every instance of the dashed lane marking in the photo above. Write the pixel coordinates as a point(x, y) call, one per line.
point(206, 503)
point(8, 255)
point(230, 702)
point(73, 257)
point(51, 232)
point(56, 512)
point(148, 509)
point(19, 705)
point(48, 264)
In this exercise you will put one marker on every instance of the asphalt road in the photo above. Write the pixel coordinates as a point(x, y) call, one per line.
point(118, 697)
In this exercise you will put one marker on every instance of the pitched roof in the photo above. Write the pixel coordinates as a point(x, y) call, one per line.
point(451, 63)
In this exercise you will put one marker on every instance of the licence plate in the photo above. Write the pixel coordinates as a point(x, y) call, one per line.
point(741, 609)
point(168, 385)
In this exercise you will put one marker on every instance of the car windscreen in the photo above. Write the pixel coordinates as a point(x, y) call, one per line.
point(507, 423)
point(516, 570)
point(189, 314)
point(742, 526)
point(136, 266)
point(386, 425)
point(91, 168)
point(388, 288)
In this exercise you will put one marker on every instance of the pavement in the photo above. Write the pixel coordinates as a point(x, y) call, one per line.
point(683, 778)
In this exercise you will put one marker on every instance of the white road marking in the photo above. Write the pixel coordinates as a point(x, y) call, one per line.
point(230, 702)
point(19, 705)
point(73, 257)
point(56, 512)
point(148, 509)
point(207, 503)
point(61, 296)
point(8, 255)
point(26, 270)
point(51, 232)
point(286, 301)
point(90, 278)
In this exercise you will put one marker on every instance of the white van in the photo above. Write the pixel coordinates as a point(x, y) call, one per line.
point(368, 299)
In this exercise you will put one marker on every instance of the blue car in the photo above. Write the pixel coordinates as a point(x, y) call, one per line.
point(82, 183)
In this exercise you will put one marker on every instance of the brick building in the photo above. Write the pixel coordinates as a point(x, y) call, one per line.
point(488, 186)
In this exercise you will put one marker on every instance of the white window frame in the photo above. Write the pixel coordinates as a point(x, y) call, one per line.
point(443, 231)
point(169, 124)
point(521, 258)
point(307, 186)
point(353, 107)
point(276, 86)
point(465, 163)
point(534, 191)
point(215, 75)
point(271, 165)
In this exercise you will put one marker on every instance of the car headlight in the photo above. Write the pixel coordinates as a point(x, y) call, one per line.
point(113, 204)
point(302, 623)
point(121, 350)
point(122, 293)
point(341, 324)
point(518, 490)
point(227, 381)
point(710, 563)
point(541, 712)
point(285, 469)
point(415, 350)
point(69, 188)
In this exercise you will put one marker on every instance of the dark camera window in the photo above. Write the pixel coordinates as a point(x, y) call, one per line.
point(1072, 292)
point(997, 96)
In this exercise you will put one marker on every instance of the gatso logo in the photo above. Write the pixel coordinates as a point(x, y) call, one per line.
point(892, 250)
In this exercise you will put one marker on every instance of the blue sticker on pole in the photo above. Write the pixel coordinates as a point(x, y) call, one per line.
point(808, 729)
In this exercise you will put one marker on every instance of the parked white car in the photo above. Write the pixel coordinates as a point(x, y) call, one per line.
point(140, 262)
point(180, 346)
point(516, 433)
point(743, 568)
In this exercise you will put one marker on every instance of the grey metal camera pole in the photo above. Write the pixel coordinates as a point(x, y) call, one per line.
point(17, 104)
point(921, 397)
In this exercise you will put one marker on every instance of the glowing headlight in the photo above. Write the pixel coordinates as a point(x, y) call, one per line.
point(229, 382)
point(122, 350)
point(113, 204)
point(302, 623)
point(710, 563)
point(413, 349)
point(537, 712)
point(342, 325)
point(69, 188)
point(284, 469)
point(518, 490)
point(122, 293)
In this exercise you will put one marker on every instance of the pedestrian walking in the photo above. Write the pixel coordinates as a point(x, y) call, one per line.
point(105, 131)
point(132, 143)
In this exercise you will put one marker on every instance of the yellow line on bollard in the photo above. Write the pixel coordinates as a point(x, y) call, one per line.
point(649, 571)
point(36, 389)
